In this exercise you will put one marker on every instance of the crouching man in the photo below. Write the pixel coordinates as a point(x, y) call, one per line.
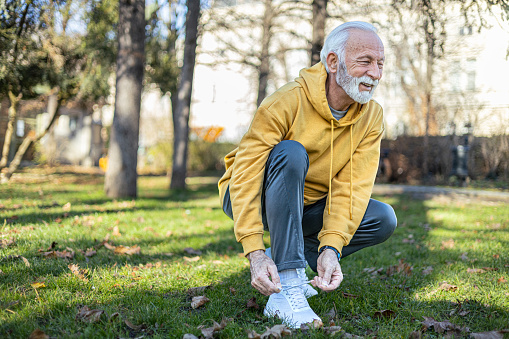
point(305, 170)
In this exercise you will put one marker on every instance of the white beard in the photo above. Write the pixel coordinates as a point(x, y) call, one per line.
point(351, 84)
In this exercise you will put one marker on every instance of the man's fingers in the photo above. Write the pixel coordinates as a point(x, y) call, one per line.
point(275, 278)
point(326, 279)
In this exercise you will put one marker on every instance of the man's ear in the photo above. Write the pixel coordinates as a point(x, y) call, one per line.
point(332, 62)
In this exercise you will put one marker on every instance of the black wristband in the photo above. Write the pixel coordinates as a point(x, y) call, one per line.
point(330, 248)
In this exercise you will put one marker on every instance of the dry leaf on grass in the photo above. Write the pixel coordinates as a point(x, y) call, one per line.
point(88, 315)
point(447, 244)
point(90, 252)
point(38, 285)
point(193, 259)
point(67, 207)
point(199, 301)
point(135, 327)
point(4, 243)
point(129, 250)
point(332, 330)
point(57, 254)
point(447, 287)
point(233, 291)
point(490, 268)
point(276, 331)
point(415, 335)
point(192, 251)
point(194, 291)
point(316, 323)
point(251, 303)
point(189, 336)
point(443, 326)
point(501, 280)
point(38, 334)
point(348, 295)
point(116, 232)
point(384, 314)
point(208, 332)
point(80, 273)
point(427, 270)
point(464, 256)
point(475, 270)
point(401, 267)
point(490, 335)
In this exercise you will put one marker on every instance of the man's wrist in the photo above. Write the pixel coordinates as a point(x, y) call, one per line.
point(323, 248)
point(254, 253)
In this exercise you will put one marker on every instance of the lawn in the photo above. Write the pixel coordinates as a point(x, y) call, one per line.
point(74, 263)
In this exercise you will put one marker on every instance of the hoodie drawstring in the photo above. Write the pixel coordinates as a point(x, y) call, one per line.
point(351, 167)
point(351, 173)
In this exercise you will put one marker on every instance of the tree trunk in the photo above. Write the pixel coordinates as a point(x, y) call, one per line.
point(430, 43)
point(264, 68)
point(53, 107)
point(121, 176)
point(13, 111)
point(183, 104)
point(319, 18)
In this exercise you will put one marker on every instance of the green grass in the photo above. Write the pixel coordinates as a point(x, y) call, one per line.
point(151, 288)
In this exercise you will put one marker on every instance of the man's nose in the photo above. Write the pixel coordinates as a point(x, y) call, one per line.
point(374, 72)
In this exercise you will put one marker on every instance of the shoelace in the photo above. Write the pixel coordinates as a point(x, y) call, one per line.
point(296, 298)
point(287, 287)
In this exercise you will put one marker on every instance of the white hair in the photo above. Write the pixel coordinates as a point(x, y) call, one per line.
point(337, 39)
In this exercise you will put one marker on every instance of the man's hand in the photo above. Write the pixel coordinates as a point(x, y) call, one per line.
point(329, 271)
point(262, 267)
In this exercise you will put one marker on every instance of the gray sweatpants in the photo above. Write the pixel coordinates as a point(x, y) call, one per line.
point(294, 227)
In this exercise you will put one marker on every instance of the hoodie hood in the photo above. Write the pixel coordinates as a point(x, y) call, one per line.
point(313, 82)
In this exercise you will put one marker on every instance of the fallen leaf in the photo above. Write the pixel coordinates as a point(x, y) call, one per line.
point(134, 327)
point(90, 252)
point(447, 287)
point(193, 259)
point(490, 268)
point(199, 301)
point(169, 233)
point(447, 244)
point(331, 314)
point(443, 326)
point(251, 303)
point(4, 243)
point(276, 331)
point(189, 336)
point(67, 207)
point(464, 256)
point(208, 332)
point(80, 273)
point(463, 313)
point(427, 270)
point(38, 334)
point(384, 314)
point(496, 256)
point(38, 285)
point(489, 335)
point(501, 280)
point(332, 330)
point(475, 270)
point(88, 315)
point(114, 316)
point(348, 295)
point(351, 336)
point(129, 250)
point(401, 267)
point(116, 232)
point(217, 262)
point(251, 334)
point(233, 291)
point(192, 251)
point(194, 291)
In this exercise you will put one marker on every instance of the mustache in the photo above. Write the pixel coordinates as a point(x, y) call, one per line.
point(367, 80)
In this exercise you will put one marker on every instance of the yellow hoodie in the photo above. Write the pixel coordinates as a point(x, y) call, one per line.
point(343, 158)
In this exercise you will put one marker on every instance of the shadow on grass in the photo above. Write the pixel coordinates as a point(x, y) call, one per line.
point(165, 310)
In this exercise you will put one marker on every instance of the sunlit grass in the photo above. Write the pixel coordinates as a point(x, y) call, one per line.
point(151, 288)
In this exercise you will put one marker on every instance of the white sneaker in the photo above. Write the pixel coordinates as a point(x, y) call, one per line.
point(290, 305)
point(308, 290)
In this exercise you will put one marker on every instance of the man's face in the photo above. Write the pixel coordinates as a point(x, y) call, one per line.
point(362, 70)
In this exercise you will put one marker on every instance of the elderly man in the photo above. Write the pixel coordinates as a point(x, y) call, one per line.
point(305, 170)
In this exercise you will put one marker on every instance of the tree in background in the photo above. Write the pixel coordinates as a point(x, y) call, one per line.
point(121, 176)
point(318, 38)
point(181, 113)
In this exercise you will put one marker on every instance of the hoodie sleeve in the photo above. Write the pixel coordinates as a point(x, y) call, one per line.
point(338, 228)
point(267, 129)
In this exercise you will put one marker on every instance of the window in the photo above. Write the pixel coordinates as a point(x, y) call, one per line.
point(20, 128)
